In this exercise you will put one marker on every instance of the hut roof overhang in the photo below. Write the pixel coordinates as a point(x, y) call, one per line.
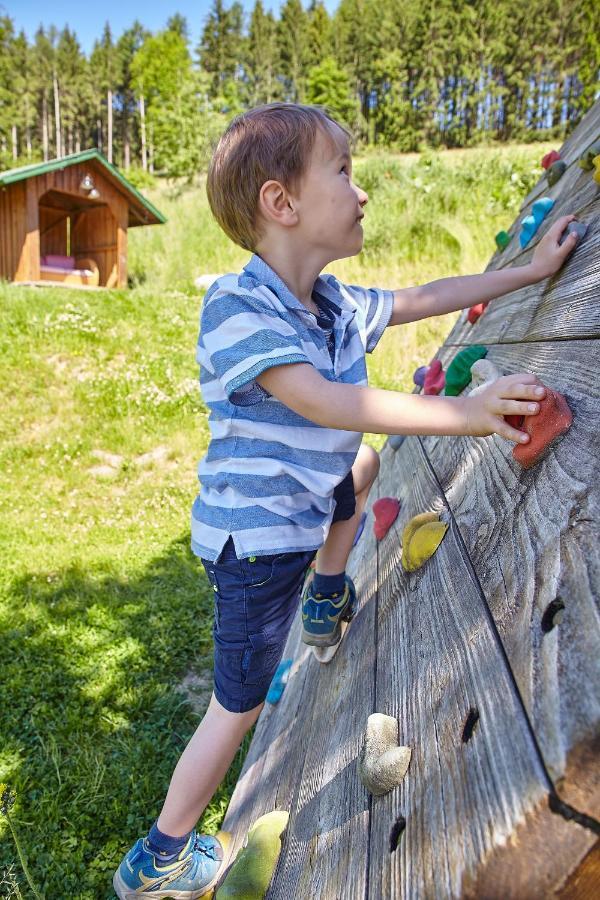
point(141, 211)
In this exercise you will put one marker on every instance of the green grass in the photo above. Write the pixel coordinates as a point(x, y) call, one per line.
point(103, 610)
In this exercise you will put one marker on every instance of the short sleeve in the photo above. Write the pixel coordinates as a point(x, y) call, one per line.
point(376, 306)
point(241, 336)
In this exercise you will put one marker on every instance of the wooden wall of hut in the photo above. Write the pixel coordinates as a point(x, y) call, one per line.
point(13, 234)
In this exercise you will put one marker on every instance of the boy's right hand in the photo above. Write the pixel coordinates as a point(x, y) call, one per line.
point(509, 395)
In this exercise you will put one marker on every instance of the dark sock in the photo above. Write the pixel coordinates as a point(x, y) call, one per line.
point(165, 847)
point(328, 585)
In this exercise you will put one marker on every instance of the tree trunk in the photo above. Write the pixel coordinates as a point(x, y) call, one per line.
point(78, 140)
point(109, 139)
point(15, 142)
point(45, 127)
point(99, 133)
point(143, 133)
point(57, 117)
point(151, 152)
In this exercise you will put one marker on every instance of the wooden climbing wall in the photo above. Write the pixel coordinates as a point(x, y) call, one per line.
point(500, 628)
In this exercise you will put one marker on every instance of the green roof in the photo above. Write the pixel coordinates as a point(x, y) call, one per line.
point(30, 171)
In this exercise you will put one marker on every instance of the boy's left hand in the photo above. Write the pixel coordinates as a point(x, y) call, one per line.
point(549, 256)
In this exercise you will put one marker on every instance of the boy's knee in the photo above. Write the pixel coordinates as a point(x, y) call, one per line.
point(372, 462)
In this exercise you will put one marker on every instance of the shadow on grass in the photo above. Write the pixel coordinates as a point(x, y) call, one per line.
point(91, 720)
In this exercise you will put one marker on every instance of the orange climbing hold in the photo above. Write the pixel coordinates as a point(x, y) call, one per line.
point(435, 378)
point(544, 429)
point(475, 312)
point(386, 512)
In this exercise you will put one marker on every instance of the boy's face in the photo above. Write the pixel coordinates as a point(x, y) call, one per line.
point(330, 205)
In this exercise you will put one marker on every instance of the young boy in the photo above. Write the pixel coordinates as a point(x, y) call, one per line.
point(282, 370)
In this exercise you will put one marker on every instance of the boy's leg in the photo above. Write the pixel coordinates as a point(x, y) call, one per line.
point(203, 765)
point(333, 555)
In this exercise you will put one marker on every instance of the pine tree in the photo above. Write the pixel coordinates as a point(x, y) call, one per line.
point(221, 45)
point(329, 86)
point(261, 57)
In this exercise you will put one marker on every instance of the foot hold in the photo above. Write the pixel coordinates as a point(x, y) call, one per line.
point(544, 429)
point(251, 873)
point(421, 538)
point(382, 764)
point(386, 512)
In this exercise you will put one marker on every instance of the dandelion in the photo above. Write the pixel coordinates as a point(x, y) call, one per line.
point(7, 801)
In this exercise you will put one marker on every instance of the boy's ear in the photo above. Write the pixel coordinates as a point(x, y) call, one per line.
point(276, 204)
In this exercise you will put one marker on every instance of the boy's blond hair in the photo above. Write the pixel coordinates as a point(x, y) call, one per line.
point(273, 141)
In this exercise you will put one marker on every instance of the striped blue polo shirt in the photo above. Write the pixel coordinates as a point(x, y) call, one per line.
point(269, 474)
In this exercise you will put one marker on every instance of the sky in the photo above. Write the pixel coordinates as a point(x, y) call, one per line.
point(88, 21)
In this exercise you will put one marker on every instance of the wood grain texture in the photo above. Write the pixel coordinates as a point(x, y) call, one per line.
point(304, 755)
point(533, 537)
point(438, 659)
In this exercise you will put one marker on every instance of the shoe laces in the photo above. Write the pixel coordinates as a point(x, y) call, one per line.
point(207, 850)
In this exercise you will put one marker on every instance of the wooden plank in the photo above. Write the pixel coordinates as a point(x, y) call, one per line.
point(533, 537)
point(438, 658)
point(303, 757)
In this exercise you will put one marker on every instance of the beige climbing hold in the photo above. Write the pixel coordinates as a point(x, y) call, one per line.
point(483, 373)
point(382, 763)
point(420, 539)
point(251, 873)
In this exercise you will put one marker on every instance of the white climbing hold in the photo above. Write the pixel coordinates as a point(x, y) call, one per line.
point(382, 764)
point(483, 373)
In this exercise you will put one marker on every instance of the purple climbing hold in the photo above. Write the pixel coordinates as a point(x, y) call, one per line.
point(419, 375)
point(360, 529)
point(578, 228)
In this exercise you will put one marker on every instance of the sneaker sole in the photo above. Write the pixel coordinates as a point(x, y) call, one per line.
point(124, 892)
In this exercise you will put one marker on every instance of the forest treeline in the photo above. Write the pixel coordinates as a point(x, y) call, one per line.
point(400, 74)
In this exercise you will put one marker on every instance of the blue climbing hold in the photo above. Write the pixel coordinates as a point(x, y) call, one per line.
point(419, 375)
point(396, 440)
point(280, 679)
point(530, 224)
point(360, 529)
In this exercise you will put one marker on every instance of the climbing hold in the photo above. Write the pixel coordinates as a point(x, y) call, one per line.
point(596, 162)
point(382, 763)
point(515, 421)
point(434, 379)
point(280, 679)
point(420, 539)
point(544, 429)
point(556, 172)
point(475, 312)
point(502, 240)
point(386, 511)
point(459, 371)
point(550, 158)
point(360, 529)
point(530, 224)
point(396, 440)
point(579, 228)
point(483, 373)
point(586, 160)
point(419, 375)
point(250, 875)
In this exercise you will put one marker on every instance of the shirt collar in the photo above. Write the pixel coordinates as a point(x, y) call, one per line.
point(262, 271)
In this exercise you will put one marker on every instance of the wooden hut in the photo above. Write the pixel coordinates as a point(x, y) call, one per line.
point(488, 656)
point(66, 221)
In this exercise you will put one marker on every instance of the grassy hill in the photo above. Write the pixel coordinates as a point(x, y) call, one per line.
point(104, 614)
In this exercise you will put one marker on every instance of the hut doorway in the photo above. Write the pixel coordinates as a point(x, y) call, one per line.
point(78, 240)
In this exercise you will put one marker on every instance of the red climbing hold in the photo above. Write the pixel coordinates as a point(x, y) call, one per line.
point(553, 419)
point(475, 312)
point(515, 421)
point(550, 158)
point(386, 512)
point(435, 378)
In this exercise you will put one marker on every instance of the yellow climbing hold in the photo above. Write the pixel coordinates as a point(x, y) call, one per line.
point(420, 539)
point(596, 165)
point(250, 875)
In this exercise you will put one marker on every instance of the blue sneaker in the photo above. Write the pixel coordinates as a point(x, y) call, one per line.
point(322, 617)
point(193, 874)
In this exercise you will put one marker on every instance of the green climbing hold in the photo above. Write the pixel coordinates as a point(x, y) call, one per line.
point(556, 172)
point(502, 240)
point(458, 375)
point(586, 160)
point(250, 875)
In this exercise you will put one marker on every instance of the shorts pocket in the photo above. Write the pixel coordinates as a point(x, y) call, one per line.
point(260, 659)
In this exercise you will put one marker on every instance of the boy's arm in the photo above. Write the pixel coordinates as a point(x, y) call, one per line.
point(450, 294)
point(351, 407)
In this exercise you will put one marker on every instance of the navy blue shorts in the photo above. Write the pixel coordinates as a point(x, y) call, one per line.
point(256, 599)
